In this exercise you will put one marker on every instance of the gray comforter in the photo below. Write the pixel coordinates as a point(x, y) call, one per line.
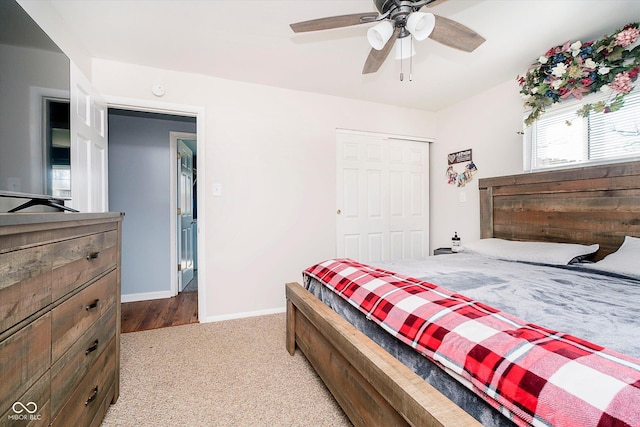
point(598, 307)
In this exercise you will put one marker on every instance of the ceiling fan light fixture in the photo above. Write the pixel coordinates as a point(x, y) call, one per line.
point(396, 20)
point(421, 24)
point(380, 34)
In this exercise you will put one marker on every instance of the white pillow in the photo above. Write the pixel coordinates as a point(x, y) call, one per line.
point(540, 252)
point(626, 260)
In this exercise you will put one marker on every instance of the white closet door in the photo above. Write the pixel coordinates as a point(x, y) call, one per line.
point(88, 146)
point(408, 199)
point(382, 197)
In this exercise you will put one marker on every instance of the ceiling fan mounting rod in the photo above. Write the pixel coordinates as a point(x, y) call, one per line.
point(399, 13)
point(408, 6)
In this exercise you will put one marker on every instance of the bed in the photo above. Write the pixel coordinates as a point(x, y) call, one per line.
point(599, 204)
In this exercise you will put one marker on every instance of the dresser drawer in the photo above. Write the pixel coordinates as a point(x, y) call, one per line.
point(24, 357)
point(25, 284)
point(37, 406)
point(71, 319)
point(69, 370)
point(59, 317)
point(90, 394)
point(76, 261)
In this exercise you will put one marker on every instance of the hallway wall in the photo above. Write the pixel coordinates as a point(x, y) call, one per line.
point(139, 182)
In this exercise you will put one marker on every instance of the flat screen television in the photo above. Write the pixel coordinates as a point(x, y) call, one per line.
point(34, 111)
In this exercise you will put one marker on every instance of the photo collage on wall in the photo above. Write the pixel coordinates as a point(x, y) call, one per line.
point(460, 179)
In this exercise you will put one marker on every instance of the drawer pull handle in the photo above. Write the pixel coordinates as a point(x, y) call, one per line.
point(93, 347)
point(93, 255)
point(93, 305)
point(92, 397)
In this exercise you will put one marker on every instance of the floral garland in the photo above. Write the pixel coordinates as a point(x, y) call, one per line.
point(609, 65)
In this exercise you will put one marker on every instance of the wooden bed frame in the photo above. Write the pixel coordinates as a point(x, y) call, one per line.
point(597, 204)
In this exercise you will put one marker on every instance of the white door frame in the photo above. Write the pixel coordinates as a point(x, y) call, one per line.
point(199, 114)
point(173, 205)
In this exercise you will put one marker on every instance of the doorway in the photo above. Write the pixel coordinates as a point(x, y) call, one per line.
point(141, 184)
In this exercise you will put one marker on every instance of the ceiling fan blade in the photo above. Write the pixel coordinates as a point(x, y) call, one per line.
point(435, 3)
point(456, 35)
point(333, 22)
point(377, 57)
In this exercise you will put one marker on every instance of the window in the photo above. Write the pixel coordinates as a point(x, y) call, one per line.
point(561, 138)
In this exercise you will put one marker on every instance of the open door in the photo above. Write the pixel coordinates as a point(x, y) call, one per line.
point(88, 146)
point(186, 222)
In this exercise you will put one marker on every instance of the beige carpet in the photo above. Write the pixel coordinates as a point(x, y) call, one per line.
point(232, 373)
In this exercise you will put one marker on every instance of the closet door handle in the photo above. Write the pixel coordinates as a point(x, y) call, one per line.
point(93, 255)
point(92, 397)
point(93, 305)
point(93, 347)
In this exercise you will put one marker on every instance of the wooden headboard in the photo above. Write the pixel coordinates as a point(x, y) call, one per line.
point(596, 204)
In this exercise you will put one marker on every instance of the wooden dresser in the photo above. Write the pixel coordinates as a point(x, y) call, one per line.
point(59, 317)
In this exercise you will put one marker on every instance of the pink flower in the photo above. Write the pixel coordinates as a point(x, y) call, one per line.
point(586, 81)
point(622, 83)
point(627, 36)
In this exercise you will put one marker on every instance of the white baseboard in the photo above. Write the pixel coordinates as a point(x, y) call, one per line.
point(146, 296)
point(243, 315)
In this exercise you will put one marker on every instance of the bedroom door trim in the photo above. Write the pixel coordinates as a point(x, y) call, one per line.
point(199, 113)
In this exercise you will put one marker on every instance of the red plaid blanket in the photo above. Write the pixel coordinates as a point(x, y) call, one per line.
point(533, 375)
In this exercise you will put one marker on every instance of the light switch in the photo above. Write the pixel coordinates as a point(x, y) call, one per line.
point(217, 189)
point(463, 197)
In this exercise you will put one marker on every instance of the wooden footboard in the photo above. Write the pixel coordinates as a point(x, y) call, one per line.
point(371, 386)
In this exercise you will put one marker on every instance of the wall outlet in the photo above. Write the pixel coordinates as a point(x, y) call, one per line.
point(217, 189)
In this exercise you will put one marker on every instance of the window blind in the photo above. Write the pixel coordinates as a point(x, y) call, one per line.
point(616, 134)
point(562, 138)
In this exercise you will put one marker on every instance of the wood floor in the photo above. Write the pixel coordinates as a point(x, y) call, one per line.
point(160, 313)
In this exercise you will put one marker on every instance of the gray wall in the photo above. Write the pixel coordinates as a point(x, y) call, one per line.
point(139, 182)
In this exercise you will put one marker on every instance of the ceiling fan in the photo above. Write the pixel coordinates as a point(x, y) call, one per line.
point(399, 20)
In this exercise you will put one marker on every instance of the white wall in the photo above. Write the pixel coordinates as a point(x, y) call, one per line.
point(488, 124)
point(273, 151)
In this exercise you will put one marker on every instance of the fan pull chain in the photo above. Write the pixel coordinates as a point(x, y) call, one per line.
point(411, 61)
point(401, 61)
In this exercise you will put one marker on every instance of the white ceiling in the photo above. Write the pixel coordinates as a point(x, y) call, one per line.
point(250, 40)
